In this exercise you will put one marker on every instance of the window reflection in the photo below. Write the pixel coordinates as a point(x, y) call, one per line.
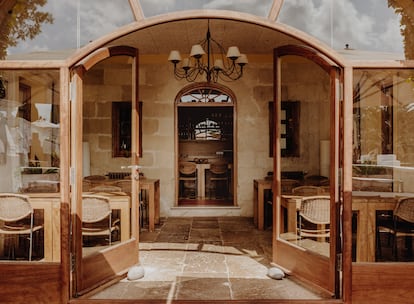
point(29, 161)
point(75, 24)
point(383, 170)
point(106, 137)
point(353, 22)
point(153, 8)
point(305, 177)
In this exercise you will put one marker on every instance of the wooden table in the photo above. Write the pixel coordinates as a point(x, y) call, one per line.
point(50, 205)
point(366, 205)
point(121, 202)
point(201, 179)
point(292, 205)
point(259, 187)
point(153, 188)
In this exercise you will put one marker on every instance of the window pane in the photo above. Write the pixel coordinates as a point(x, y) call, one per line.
point(383, 158)
point(362, 25)
point(152, 8)
point(29, 164)
point(76, 23)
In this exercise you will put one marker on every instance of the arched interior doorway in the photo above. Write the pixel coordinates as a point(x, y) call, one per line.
point(205, 116)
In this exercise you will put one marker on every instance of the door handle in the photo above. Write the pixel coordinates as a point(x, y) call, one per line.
point(136, 167)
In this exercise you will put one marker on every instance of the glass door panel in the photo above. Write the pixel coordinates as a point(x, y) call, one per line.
point(106, 221)
point(305, 206)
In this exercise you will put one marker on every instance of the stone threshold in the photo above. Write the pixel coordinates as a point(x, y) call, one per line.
point(184, 211)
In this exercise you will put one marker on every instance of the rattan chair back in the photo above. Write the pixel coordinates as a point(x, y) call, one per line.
point(187, 168)
point(105, 188)
point(405, 210)
point(307, 190)
point(124, 185)
point(218, 168)
point(13, 208)
point(95, 208)
point(315, 209)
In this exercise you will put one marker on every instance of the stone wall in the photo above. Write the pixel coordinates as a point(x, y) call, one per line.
point(158, 90)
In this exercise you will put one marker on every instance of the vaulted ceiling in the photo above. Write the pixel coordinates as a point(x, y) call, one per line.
point(181, 35)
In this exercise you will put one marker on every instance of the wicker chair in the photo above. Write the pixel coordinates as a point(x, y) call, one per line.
point(287, 185)
point(126, 186)
point(97, 217)
point(307, 190)
point(14, 209)
point(403, 224)
point(314, 217)
point(188, 179)
point(106, 188)
point(218, 180)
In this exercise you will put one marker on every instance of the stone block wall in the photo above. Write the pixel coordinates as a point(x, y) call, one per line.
point(158, 90)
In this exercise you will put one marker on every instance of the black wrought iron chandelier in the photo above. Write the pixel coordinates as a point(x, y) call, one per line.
point(217, 64)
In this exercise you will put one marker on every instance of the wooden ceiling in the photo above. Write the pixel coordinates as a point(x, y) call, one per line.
point(181, 35)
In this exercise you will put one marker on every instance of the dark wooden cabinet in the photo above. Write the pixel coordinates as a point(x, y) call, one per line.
point(205, 123)
point(121, 129)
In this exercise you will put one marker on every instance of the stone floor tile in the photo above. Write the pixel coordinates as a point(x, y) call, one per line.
point(205, 236)
point(209, 224)
point(172, 237)
point(204, 262)
point(207, 258)
point(249, 288)
point(202, 288)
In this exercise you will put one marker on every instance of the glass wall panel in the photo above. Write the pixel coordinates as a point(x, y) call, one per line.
point(107, 99)
point(383, 165)
point(29, 165)
point(362, 25)
point(153, 8)
point(305, 200)
point(75, 24)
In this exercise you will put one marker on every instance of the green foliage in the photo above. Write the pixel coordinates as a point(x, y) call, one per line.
point(23, 21)
point(405, 8)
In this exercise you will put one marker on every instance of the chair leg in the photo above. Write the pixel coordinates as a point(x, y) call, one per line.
point(378, 245)
point(395, 248)
point(30, 245)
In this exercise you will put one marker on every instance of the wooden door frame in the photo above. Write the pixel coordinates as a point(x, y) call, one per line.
point(282, 254)
point(185, 90)
point(83, 281)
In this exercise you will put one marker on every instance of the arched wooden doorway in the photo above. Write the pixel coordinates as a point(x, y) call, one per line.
point(205, 119)
point(109, 258)
point(314, 258)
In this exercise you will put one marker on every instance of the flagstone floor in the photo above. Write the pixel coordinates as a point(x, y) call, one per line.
point(207, 258)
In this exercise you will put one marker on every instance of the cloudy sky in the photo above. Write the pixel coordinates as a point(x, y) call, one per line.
point(362, 24)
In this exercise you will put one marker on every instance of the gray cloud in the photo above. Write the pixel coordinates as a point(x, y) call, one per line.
point(365, 25)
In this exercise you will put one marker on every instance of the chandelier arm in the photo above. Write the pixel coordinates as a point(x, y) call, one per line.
point(236, 74)
point(225, 68)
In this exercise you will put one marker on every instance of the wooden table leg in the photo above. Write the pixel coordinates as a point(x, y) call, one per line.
point(260, 208)
point(151, 208)
point(255, 203)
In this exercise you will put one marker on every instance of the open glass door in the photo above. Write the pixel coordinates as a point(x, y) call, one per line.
point(104, 209)
point(306, 233)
